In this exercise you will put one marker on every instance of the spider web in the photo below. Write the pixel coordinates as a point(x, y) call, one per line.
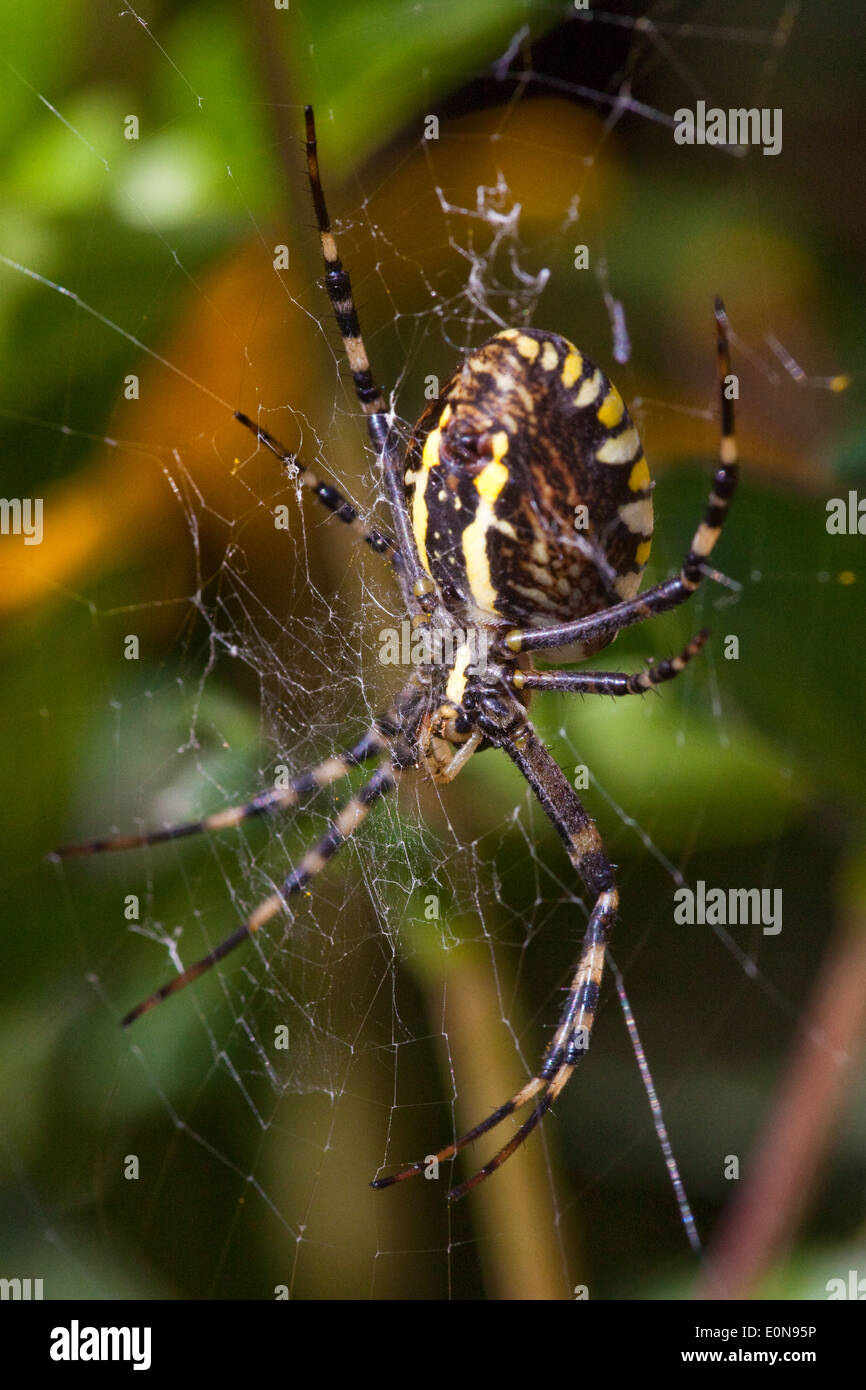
point(413, 987)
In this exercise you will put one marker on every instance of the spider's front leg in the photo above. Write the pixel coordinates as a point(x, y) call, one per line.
point(391, 738)
point(504, 724)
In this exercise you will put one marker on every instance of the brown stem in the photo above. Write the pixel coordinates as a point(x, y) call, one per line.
point(763, 1218)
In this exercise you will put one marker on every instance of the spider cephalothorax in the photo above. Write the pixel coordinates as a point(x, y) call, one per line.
point(522, 522)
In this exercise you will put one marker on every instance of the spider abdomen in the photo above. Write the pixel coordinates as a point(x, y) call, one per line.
point(528, 489)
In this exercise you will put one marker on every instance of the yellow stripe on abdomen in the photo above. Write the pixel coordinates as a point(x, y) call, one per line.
point(420, 480)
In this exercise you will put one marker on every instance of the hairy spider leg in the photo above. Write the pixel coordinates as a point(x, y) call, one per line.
point(612, 682)
point(329, 496)
point(343, 825)
point(571, 1039)
point(391, 734)
point(415, 583)
point(295, 793)
point(563, 807)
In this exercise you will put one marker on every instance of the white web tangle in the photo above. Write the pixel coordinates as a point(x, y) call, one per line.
point(503, 301)
point(339, 970)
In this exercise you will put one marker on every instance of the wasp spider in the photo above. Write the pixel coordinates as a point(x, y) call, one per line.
point(527, 435)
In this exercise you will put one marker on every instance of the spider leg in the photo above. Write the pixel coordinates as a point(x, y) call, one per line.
point(518, 1138)
point(517, 1101)
point(571, 1038)
point(328, 495)
point(339, 286)
point(344, 824)
point(611, 682)
point(305, 785)
point(415, 583)
point(600, 628)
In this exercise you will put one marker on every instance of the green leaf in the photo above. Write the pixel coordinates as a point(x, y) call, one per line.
point(367, 78)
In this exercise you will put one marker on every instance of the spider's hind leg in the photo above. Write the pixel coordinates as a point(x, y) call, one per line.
point(339, 285)
point(415, 584)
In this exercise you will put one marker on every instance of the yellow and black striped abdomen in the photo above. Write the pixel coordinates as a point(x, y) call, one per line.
point(527, 485)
